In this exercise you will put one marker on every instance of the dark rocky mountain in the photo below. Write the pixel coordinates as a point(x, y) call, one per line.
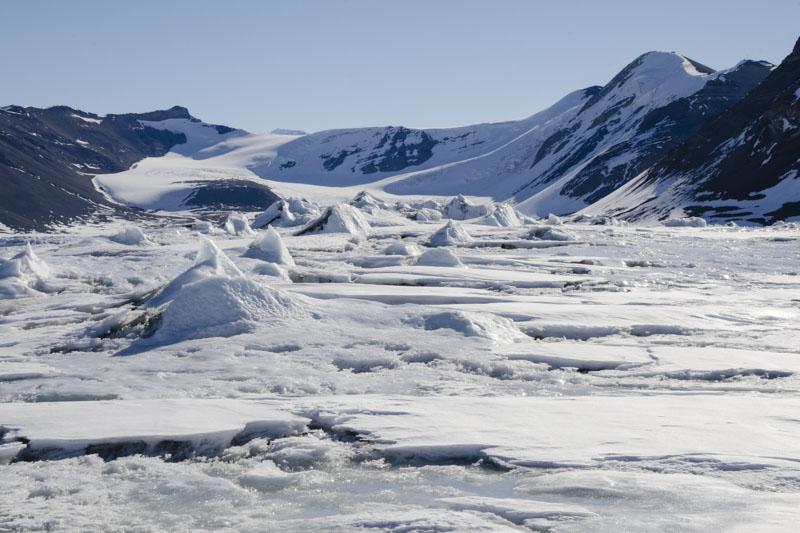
point(648, 109)
point(666, 136)
point(742, 164)
point(48, 156)
point(560, 160)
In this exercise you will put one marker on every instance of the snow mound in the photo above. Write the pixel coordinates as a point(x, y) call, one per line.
point(484, 325)
point(401, 248)
point(131, 236)
point(236, 224)
point(209, 255)
point(368, 202)
point(269, 247)
point(553, 220)
point(338, 218)
point(688, 222)
point(210, 261)
point(503, 216)
point(451, 234)
point(25, 274)
point(266, 476)
point(460, 208)
point(214, 299)
point(549, 233)
point(222, 306)
point(425, 214)
point(439, 257)
point(277, 214)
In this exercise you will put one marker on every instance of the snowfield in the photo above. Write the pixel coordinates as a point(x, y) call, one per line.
point(425, 365)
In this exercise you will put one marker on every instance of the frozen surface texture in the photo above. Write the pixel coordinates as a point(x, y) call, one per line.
point(550, 375)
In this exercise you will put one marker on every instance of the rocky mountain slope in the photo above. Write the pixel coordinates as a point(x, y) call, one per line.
point(666, 136)
point(49, 156)
point(743, 164)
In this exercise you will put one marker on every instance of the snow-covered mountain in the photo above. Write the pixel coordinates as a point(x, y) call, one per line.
point(48, 158)
point(743, 164)
point(579, 154)
point(560, 160)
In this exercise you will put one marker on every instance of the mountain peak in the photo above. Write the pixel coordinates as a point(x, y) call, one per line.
point(665, 75)
point(175, 111)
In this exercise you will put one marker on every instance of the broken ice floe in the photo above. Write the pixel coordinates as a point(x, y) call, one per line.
point(451, 234)
point(688, 222)
point(131, 236)
point(277, 214)
point(550, 233)
point(24, 274)
point(338, 218)
point(401, 248)
point(269, 246)
point(287, 213)
point(236, 224)
point(503, 216)
point(441, 257)
point(472, 324)
point(368, 202)
point(461, 208)
point(213, 298)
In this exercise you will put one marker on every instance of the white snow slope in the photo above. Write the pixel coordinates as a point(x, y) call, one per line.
point(642, 378)
point(535, 162)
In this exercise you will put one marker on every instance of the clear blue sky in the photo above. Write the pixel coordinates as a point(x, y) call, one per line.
point(315, 65)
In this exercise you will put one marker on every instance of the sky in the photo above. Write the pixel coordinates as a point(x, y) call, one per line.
point(314, 65)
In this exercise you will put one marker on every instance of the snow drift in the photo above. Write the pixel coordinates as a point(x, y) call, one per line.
point(338, 218)
point(451, 234)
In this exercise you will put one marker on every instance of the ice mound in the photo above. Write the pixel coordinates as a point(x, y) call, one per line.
point(687, 222)
point(237, 224)
point(266, 476)
point(210, 261)
point(484, 325)
point(439, 257)
point(222, 306)
point(204, 227)
point(451, 234)
point(131, 236)
point(277, 214)
point(306, 451)
point(426, 214)
point(460, 208)
point(338, 218)
point(401, 248)
point(269, 247)
point(553, 220)
point(25, 274)
point(214, 299)
point(503, 216)
point(549, 233)
point(368, 202)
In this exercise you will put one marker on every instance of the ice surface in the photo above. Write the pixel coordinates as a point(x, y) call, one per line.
point(637, 375)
